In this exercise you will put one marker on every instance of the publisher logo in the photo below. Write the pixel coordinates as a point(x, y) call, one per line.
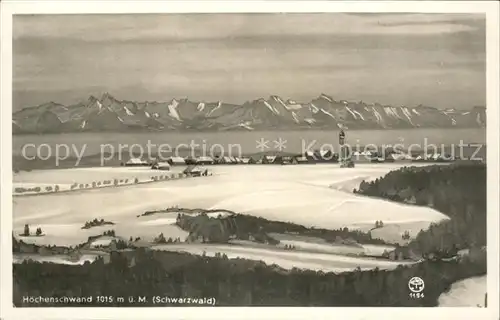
point(416, 285)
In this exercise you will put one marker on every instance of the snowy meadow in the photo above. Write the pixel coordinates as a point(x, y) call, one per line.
point(310, 195)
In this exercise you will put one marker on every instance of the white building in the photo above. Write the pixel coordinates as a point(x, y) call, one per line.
point(227, 160)
point(194, 171)
point(176, 161)
point(204, 160)
point(161, 166)
point(136, 162)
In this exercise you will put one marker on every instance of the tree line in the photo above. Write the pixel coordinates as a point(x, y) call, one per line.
point(96, 223)
point(244, 227)
point(236, 282)
point(459, 191)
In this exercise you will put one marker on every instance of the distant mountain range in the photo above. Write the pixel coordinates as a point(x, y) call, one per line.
point(108, 114)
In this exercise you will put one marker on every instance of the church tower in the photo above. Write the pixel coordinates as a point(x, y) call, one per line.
point(344, 154)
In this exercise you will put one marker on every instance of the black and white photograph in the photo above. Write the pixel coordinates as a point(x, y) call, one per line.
point(250, 158)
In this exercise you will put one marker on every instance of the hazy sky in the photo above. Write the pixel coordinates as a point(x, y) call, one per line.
point(410, 59)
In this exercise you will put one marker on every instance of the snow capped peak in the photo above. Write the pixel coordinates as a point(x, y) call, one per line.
point(106, 95)
point(261, 114)
point(127, 111)
point(277, 99)
point(246, 126)
point(314, 109)
point(219, 104)
point(328, 113)
point(327, 98)
point(280, 101)
point(93, 101)
point(172, 110)
point(355, 114)
point(270, 107)
point(292, 105)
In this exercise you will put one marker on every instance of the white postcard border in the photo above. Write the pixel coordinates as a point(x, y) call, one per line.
point(490, 8)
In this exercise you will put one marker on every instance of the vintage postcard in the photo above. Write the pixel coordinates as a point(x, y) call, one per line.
point(175, 159)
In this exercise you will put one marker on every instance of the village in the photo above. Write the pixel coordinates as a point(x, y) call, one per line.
point(163, 168)
point(281, 158)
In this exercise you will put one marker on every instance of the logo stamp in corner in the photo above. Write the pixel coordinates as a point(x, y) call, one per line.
point(416, 286)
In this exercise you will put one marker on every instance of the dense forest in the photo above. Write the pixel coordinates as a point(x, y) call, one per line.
point(233, 282)
point(458, 191)
point(221, 229)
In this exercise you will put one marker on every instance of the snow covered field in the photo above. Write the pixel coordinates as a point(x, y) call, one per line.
point(71, 234)
point(286, 259)
point(303, 194)
point(313, 244)
point(300, 194)
point(61, 259)
point(87, 175)
point(466, 293)
point(65, 178)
